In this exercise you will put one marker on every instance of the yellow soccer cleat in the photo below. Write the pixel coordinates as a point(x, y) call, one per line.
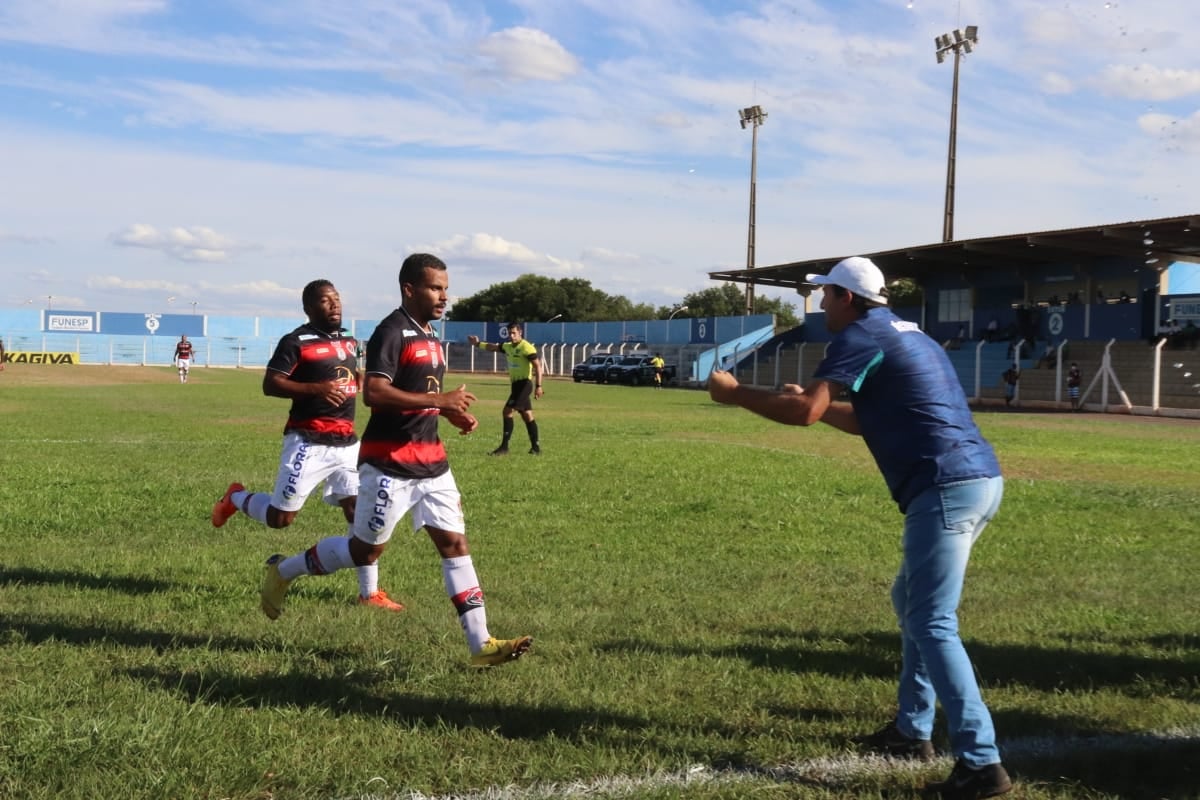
point(501, 651)
point(274, 588)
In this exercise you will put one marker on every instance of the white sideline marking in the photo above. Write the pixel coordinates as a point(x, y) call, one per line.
point(832, 772)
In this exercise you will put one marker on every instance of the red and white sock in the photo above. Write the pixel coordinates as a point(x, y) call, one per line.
point(462, 584)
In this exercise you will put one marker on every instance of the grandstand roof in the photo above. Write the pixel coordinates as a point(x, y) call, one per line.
point(1168, 239)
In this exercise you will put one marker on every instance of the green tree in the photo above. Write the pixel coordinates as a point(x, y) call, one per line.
point(537, 298)
point(729, 300)
point(904, 292)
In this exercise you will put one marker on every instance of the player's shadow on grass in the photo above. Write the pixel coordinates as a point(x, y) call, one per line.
point(876, 654)
point(36, 631)
point(371, 696)
point(127, 584)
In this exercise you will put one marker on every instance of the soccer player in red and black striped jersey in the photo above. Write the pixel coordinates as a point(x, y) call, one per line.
point(313, 366)
point(403, 466)
point(183, 357)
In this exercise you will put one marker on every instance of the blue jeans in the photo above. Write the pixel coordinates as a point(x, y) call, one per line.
point(940, 526)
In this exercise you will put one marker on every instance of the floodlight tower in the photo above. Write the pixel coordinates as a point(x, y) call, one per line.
point(959, 42)
point(753, 117)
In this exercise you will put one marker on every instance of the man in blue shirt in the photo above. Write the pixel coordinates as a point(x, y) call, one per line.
point(908, 406)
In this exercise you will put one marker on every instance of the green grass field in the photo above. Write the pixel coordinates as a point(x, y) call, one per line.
point(708, 592)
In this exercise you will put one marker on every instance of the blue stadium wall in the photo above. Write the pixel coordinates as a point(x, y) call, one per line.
point(149, 338)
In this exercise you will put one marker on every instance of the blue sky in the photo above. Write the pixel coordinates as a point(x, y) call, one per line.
point(225, 152)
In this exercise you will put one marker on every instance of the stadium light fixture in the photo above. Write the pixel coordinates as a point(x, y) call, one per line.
point(676, 311)
point(194, 304)
point(958, 43)
point(49, 302)
point(556, 316)
point(752, 117)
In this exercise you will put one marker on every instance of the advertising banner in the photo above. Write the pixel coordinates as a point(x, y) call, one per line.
point(24, 357)
point(71, 321)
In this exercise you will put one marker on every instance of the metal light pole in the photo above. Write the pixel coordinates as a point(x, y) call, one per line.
point(958, 42)
point(194, 304)
point(556, 316)
point(676, 311)
point(753, 117)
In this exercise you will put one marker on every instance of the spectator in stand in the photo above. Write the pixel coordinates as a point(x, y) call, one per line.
point(1010, 377)
point(1049, 356)
point(1174, 334)
point(1163, 331)
point(1074, 378)
point(1188, 337)
point(992, 331)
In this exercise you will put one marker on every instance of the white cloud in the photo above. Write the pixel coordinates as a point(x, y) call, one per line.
point(108, 282)
point(485, 247)
point(1175, 133)
point(525, 54)
point(22, 238)
point(1148, 82)
point(185, 244)
point(1056, 83)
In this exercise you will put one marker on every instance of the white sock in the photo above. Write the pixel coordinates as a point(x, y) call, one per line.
point(256, 509)
point(326, 556)
point(368, 576)
point(368, 580)
point(462, 584)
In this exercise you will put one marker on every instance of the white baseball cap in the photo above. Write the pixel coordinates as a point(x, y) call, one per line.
point(857, 274)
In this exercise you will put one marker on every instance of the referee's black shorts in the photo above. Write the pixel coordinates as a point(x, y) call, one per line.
point(521, 396)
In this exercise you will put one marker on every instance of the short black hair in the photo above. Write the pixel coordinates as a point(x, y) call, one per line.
point(859, 303)
point(313, 290)
point(417, 263)
point(518, 325)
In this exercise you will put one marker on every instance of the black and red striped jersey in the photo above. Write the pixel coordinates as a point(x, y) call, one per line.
point(183, 350)
point(405, 444)
point(311, 355)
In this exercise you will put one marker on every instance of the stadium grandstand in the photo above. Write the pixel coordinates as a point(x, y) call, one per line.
point(1098, 296)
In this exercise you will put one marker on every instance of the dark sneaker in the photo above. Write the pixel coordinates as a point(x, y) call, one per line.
point(499, 451)
point(535, 451)
point(966, 783)
point(889, 741)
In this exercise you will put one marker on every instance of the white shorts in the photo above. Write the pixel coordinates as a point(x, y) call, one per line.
point(183, 363)
point(303, 465)
point(384, 500)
